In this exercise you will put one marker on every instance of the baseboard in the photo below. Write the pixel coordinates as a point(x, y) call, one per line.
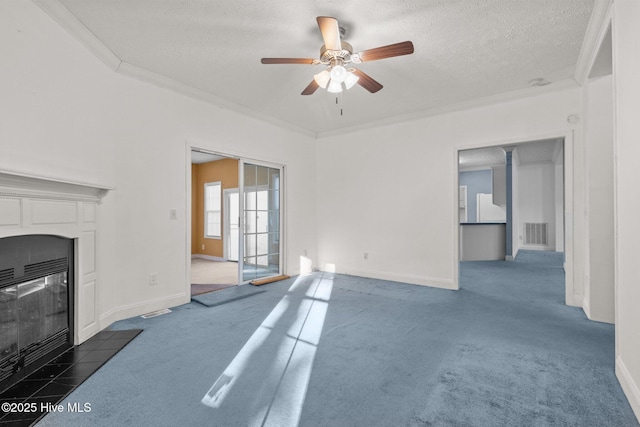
point(586, 307)
point(538, 248)
point(629, 386)
point(138, 309)
point(402, 278)
point(208, 257)
point(574, 301)
point(513, 256)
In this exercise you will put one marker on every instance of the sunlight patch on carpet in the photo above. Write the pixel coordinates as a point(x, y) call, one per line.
point(299, 320)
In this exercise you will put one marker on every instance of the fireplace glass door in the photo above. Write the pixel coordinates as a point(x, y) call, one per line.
point(42, 307)
point(35, 300)
point(39, 307)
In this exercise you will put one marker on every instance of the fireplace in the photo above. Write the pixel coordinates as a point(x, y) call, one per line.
point(49, 269)
point(36, 302)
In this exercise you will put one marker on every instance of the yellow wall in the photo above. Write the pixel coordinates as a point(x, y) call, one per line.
point(225, 171)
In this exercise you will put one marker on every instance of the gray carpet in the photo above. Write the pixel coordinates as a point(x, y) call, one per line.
point(223, 296)
point(337, 350)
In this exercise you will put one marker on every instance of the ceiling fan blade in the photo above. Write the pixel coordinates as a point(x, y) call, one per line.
point(287, 60)
point(389, 51)
point(309, 90)
point(367, 82)
point(330, 32)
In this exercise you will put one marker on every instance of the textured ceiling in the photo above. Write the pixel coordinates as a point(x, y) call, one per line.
point(464, 51)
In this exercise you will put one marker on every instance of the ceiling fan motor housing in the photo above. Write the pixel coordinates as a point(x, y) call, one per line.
point(344, 55)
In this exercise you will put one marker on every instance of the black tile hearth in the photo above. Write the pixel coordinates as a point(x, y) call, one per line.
point(25, 402)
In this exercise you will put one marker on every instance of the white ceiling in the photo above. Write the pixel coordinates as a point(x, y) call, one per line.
point(465, 51)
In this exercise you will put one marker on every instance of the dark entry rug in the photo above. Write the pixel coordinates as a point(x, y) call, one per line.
point(224, 296)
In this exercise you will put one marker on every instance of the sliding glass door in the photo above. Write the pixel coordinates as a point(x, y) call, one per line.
point(261, 235)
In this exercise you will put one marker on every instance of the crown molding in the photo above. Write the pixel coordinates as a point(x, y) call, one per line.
point(69, 22)
point(596, 31)
point(183, 89)
point(74, 27)
point(528, 92)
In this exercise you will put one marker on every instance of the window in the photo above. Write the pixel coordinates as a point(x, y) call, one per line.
point(212, 210)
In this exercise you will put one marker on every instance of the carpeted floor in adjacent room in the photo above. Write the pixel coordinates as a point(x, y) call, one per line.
point(337, 350)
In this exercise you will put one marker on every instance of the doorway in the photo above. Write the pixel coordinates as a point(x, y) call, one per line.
point(236, 218)
point(514, 199)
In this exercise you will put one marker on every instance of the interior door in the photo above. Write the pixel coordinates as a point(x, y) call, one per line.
point(261, 215)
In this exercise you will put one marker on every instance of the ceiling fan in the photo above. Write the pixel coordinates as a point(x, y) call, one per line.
point(337, 55)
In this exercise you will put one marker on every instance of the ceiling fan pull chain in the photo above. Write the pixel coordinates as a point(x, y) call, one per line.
point(340, 101)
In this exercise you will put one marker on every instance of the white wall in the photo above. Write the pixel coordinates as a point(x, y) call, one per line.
point(626, 69)
point(537, 204)
point(396, 186)
point(599, 286)
point(559, 200)
point(66, 115)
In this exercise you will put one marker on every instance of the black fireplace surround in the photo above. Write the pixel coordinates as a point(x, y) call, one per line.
point(36, 303)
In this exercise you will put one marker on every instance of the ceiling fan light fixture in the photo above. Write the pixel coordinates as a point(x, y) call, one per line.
point(350, 80)
point(322, 78)
point(334, 86)
point(338, 73)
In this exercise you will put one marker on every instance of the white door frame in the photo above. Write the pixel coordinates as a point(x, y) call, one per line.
point(227, 222)
point(572, 295)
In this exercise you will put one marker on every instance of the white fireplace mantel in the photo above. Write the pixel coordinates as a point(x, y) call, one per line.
point(19, 184)
point(31, 204)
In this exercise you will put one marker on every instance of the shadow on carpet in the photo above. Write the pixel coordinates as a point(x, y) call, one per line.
point(224, 296)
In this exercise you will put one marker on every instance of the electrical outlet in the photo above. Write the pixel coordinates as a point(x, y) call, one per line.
point(366, 255)
point(173, 214)
point(305, 252)
point(203, 246)
point(153, 279)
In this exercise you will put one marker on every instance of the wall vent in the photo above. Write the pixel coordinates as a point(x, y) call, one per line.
point(536, 233)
